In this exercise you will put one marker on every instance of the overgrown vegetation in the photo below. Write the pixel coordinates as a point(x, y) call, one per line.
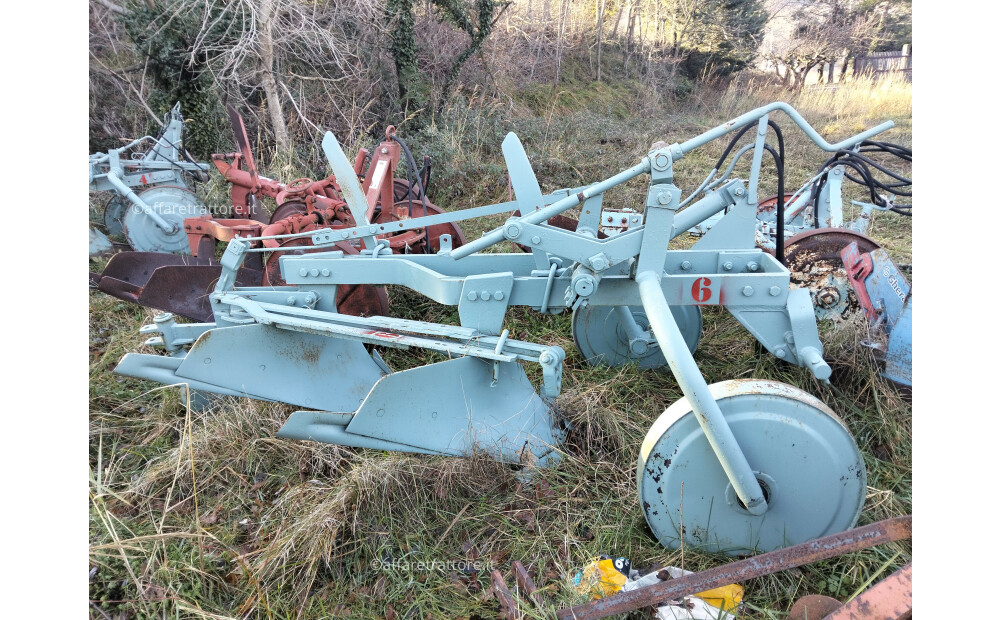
point(204, 514)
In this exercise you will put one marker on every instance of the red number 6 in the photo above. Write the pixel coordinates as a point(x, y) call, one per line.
point(700, 290)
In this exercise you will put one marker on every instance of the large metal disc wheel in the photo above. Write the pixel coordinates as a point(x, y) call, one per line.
point(602, 339)
point(174, 205)
point(813, 257)
point(401, 189)
point(287, 209)
point(804, 457)
point(353, 299)
point(114, 211)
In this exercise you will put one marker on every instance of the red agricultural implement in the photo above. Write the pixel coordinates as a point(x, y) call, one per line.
point(180, 284)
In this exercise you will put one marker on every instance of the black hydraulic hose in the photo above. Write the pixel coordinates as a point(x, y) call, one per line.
point(876, 165)
point(871, 146)
point(420, 187)
point(860, 169)
point(732, 143)
point(779, 164)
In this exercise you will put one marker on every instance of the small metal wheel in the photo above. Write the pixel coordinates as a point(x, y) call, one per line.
point(602, 339)
point(813, 257)
point(173, 204)
point(114, 211)
point(805, 459)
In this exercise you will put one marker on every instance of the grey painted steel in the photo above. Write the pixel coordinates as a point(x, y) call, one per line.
point(158, 226)
point(99, 242)
point(273, 364)
point(162, 163)
point(617, 335)
point(479, 422)
point(483, 387)
point(327, 427)
point(804, 453)
point(350, 188)
point(753, 115)
point(696, 391)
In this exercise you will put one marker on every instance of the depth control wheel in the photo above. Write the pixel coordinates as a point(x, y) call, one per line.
point(114, 211)
point(173, 204)
point(806, 461)
point(602, 339)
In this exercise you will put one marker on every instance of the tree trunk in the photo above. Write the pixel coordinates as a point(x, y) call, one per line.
point(563, 14)
point(600, 35)
point(268, 80)
point(843, 67)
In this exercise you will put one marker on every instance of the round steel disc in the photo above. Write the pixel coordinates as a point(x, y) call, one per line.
point(353, 299)
point(809, 466)
point(114, 211)
point(813, 257)
point(401, 188)
point(601, 338)
point(286, 209)
point(173, 204)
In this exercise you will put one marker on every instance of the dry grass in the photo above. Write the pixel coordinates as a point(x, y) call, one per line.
point(203, 514)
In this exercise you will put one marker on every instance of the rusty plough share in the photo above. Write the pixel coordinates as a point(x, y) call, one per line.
point(761, 464)
point(181, 284)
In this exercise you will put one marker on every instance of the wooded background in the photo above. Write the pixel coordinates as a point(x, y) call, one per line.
point(294, 67)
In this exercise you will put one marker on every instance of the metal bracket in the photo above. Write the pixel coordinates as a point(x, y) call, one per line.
point(484, 301)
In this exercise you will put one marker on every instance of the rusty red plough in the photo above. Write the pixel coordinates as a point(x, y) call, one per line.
point(181, 284)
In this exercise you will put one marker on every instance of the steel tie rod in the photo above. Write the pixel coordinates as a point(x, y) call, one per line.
point(695, 389)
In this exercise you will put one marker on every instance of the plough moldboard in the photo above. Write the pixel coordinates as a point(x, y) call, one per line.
point(764, 465)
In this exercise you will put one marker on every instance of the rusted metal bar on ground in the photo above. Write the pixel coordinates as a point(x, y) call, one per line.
point(889, 599)
point(503, 595)
point(823, 548)
point(525, 583)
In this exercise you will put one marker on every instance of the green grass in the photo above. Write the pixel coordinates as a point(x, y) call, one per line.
point(204, 514)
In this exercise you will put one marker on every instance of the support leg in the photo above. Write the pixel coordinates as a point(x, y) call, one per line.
point(695, 389)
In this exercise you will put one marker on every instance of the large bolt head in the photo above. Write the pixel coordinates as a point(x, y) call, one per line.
point(828, 297)
point(584, 287)
point(512, 231)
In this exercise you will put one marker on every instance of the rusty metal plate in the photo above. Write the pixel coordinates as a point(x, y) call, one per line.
point(353, 299)
point(813, 607)
point(127, 272)
point(184, 289)
point(889, 599)
point(813, 257)
point(242, 141)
